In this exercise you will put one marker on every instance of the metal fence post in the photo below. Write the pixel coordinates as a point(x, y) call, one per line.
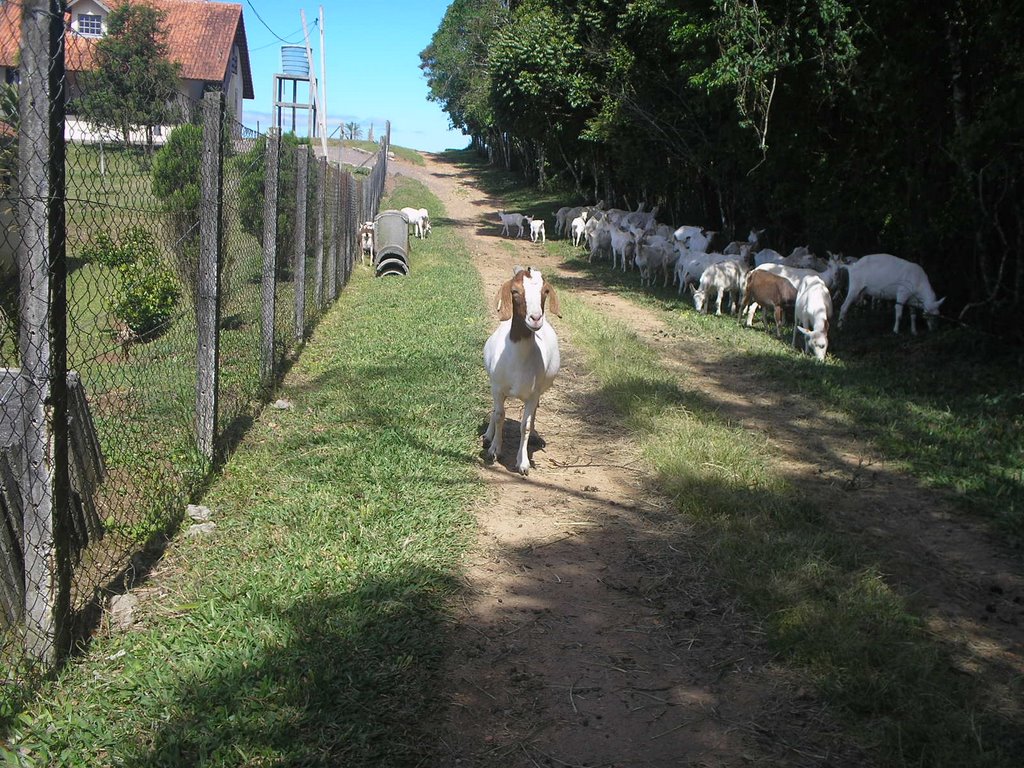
point(43, 333)
point(269, 283)
point(299, 254)
point(208, 295)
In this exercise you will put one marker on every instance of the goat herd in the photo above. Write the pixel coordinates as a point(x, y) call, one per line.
point(742, 275)
point(522, 357)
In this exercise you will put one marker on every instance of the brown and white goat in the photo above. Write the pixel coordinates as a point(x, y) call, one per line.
point(768, 290)
point(521, 356)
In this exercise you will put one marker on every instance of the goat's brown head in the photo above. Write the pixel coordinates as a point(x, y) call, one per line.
point(525, 298)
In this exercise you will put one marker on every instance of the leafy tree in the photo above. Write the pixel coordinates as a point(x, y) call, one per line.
point(353, 130)
point(456, 65)
point(176, 180)
point(134, 84)
point(251, 167)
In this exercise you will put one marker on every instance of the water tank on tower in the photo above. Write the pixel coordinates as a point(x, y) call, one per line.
point(294, 61)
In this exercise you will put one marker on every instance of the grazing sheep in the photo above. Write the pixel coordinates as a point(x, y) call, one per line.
point(521, 356)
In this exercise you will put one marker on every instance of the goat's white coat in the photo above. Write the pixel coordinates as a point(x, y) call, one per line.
point(720, 279)
point(577, 228)
point(525, 368)
point(366, 242)
point(812, 315)
point(690, 265)
point(419, 218)
point(883, 276)
point(512, 220)
point(537, 230)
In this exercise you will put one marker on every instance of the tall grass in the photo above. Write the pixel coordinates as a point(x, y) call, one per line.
point(307, 629)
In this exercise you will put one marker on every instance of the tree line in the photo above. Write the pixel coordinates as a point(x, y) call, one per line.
point(880, 125)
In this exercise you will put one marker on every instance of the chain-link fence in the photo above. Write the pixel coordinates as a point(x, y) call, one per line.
point(154, 282)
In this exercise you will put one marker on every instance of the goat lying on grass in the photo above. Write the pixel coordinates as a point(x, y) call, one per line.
point(521, 356)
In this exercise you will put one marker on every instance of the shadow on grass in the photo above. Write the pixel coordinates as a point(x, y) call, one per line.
point(355, 684)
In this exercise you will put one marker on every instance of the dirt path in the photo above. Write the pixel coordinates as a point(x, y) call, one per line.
point(585, 638)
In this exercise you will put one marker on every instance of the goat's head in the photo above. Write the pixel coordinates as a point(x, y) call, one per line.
point(525, 297)
point(931, 313)
point(816, 342)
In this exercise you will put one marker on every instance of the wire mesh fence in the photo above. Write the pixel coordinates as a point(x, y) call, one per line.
point(154, 282)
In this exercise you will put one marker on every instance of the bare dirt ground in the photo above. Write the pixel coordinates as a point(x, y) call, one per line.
point(585, 638)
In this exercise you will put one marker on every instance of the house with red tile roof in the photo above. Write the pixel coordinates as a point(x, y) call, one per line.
point(206, 39)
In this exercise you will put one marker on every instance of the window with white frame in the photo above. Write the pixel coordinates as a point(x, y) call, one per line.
point(90, 24)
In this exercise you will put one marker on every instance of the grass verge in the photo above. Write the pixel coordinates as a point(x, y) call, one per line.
point(825, 604)
point(307, 629)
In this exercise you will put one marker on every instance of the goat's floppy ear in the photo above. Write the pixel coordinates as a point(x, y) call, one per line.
point(552, 300)
point(505, 301)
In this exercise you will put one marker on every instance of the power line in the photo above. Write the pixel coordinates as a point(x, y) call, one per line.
point(290, 42)
point(257, 14)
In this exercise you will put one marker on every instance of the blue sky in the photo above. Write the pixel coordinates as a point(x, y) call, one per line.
point(372, 65)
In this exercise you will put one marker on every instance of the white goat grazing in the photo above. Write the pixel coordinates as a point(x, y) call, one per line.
point(882, 276)
point(655, 254)
point(366, 242)
point(795, 275)
point(537, 230)
point(418, 219)
point(719, 280)
point(512, 220)
point(812, 315)
point(700, 241)
point(690, 266)
point(521, 356)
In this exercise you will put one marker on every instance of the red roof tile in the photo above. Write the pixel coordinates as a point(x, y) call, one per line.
point(200, 36)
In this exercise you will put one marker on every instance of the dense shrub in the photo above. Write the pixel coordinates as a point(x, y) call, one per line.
point(148, 292)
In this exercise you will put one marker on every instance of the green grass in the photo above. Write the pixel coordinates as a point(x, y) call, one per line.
point(404, 153)
point(308, 629)
point(824, 603)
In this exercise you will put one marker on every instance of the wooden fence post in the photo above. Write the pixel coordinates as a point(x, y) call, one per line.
point(318, 247)
point(299, 254)
point(268, 292)
point(327, 209)
point(43, 333)
point(349, 218)
point(208, 294)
